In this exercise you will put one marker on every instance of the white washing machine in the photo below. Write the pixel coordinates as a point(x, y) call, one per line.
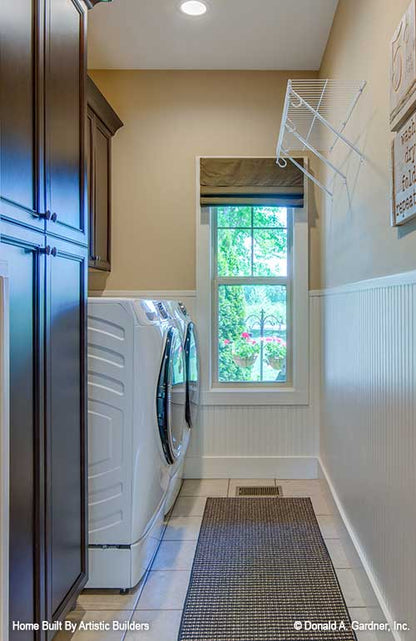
point(188, 333)
point(173, 428)
point(129, 474)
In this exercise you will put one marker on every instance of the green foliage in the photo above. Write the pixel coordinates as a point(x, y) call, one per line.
point(245, 347)
point(231, 315)
point(275, 347)
point(237, 256)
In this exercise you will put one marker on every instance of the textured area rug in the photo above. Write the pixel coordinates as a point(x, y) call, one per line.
point(262, 572)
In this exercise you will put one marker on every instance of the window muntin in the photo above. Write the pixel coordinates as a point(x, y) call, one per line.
point(252, 267)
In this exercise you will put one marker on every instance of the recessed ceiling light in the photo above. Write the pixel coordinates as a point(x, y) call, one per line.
point(194, 7)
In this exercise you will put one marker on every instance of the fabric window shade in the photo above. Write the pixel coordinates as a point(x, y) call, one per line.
point(250, 181)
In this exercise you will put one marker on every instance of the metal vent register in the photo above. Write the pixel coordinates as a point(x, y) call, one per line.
point(268, 490)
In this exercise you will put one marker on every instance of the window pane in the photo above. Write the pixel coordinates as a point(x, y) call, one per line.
point(269, 217)
point(252, 333)
point(234, 216)
point(234, 252)
point(270, 252)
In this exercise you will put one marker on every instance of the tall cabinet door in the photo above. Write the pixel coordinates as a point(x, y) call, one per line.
point(66, 494)
point(20, 112)
point(65, 118)
point(102, 196)
point(26, 267)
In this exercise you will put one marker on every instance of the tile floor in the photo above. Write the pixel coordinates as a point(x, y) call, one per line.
point(159, 599)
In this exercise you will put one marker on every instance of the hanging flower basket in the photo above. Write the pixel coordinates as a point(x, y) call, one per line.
point(245, 362)
point(275, 363)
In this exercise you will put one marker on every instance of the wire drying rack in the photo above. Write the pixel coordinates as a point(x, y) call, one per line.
point(309, 105)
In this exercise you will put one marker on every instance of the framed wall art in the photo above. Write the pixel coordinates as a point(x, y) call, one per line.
point(403, 69)
point(404, 173)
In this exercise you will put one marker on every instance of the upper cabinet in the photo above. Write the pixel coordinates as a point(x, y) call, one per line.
point(65, 51)
point(20, 113)
point(102, 124)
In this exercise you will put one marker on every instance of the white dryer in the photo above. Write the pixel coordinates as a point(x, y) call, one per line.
point(188, 333)
point(171, 400)
point(129, 475)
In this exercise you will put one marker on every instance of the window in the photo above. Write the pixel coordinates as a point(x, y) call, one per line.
point(252, 305)
point(251, 280)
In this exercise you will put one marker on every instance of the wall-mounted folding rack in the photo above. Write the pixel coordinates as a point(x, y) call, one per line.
point(306, 126)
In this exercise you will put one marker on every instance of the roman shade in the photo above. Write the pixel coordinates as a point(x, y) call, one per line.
point(250, 181)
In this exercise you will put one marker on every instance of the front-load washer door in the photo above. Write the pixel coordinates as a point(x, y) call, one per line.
point(171, 396)
point(192, 375)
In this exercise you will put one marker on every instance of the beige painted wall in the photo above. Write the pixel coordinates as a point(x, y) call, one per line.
point(169, 118)
point(357, 240)
point(367, 436)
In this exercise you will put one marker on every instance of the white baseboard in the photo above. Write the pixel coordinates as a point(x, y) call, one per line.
point(322, 473)
point(255, 467)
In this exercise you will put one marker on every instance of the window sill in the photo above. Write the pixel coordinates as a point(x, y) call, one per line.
point(267, 396)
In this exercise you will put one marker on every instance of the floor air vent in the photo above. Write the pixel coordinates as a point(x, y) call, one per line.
point(258, 491)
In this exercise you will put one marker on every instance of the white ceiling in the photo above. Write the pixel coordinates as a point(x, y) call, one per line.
point(233, 34)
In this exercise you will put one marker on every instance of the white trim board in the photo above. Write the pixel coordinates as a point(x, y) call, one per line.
point(254, 467)
point(360, 551)
point(392, 280)
point(142, 293)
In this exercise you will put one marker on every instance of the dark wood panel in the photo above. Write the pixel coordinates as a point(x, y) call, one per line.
point(20, 106)
point(102, 196)
point(89, 146)
point(26, 268)
point(65, 109)
point(104, 123)
point(66, 425)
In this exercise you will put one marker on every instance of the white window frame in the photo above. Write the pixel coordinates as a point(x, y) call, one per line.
point(297, 391)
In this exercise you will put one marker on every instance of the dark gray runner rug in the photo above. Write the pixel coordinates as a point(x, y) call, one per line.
point(260, 566)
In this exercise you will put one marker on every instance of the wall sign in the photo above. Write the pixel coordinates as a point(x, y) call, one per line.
point(404, 173)
point(403, 68)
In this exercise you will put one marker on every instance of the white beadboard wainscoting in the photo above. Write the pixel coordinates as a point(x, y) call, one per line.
point(368, 429)
point(263, 441)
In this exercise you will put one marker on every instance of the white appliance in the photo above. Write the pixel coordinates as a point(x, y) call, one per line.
point(173, 428)
point(133, 356)
point(187, 330)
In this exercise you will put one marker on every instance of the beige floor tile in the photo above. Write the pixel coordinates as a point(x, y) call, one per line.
point(368, 615)
point(189, 506)
point(164, 625)
point(305, 485)
point(342, 553)
point(234, 483)
point(108, 599)
point(331, 526)
point(183, 528)
point(305, 489)
point(205, 487)
point(355, 592)
point(164, 589)
point(321, 505)
point(98, 617)
point(175, 555)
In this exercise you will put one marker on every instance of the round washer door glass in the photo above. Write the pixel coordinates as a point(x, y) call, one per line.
point(192, 375)
point(171, 397)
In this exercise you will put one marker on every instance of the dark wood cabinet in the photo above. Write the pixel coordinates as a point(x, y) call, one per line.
point(65, 41)
point(26, 264)
point(65, 423)
point(102, 124)
point(21, 72)
point(44, 239)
